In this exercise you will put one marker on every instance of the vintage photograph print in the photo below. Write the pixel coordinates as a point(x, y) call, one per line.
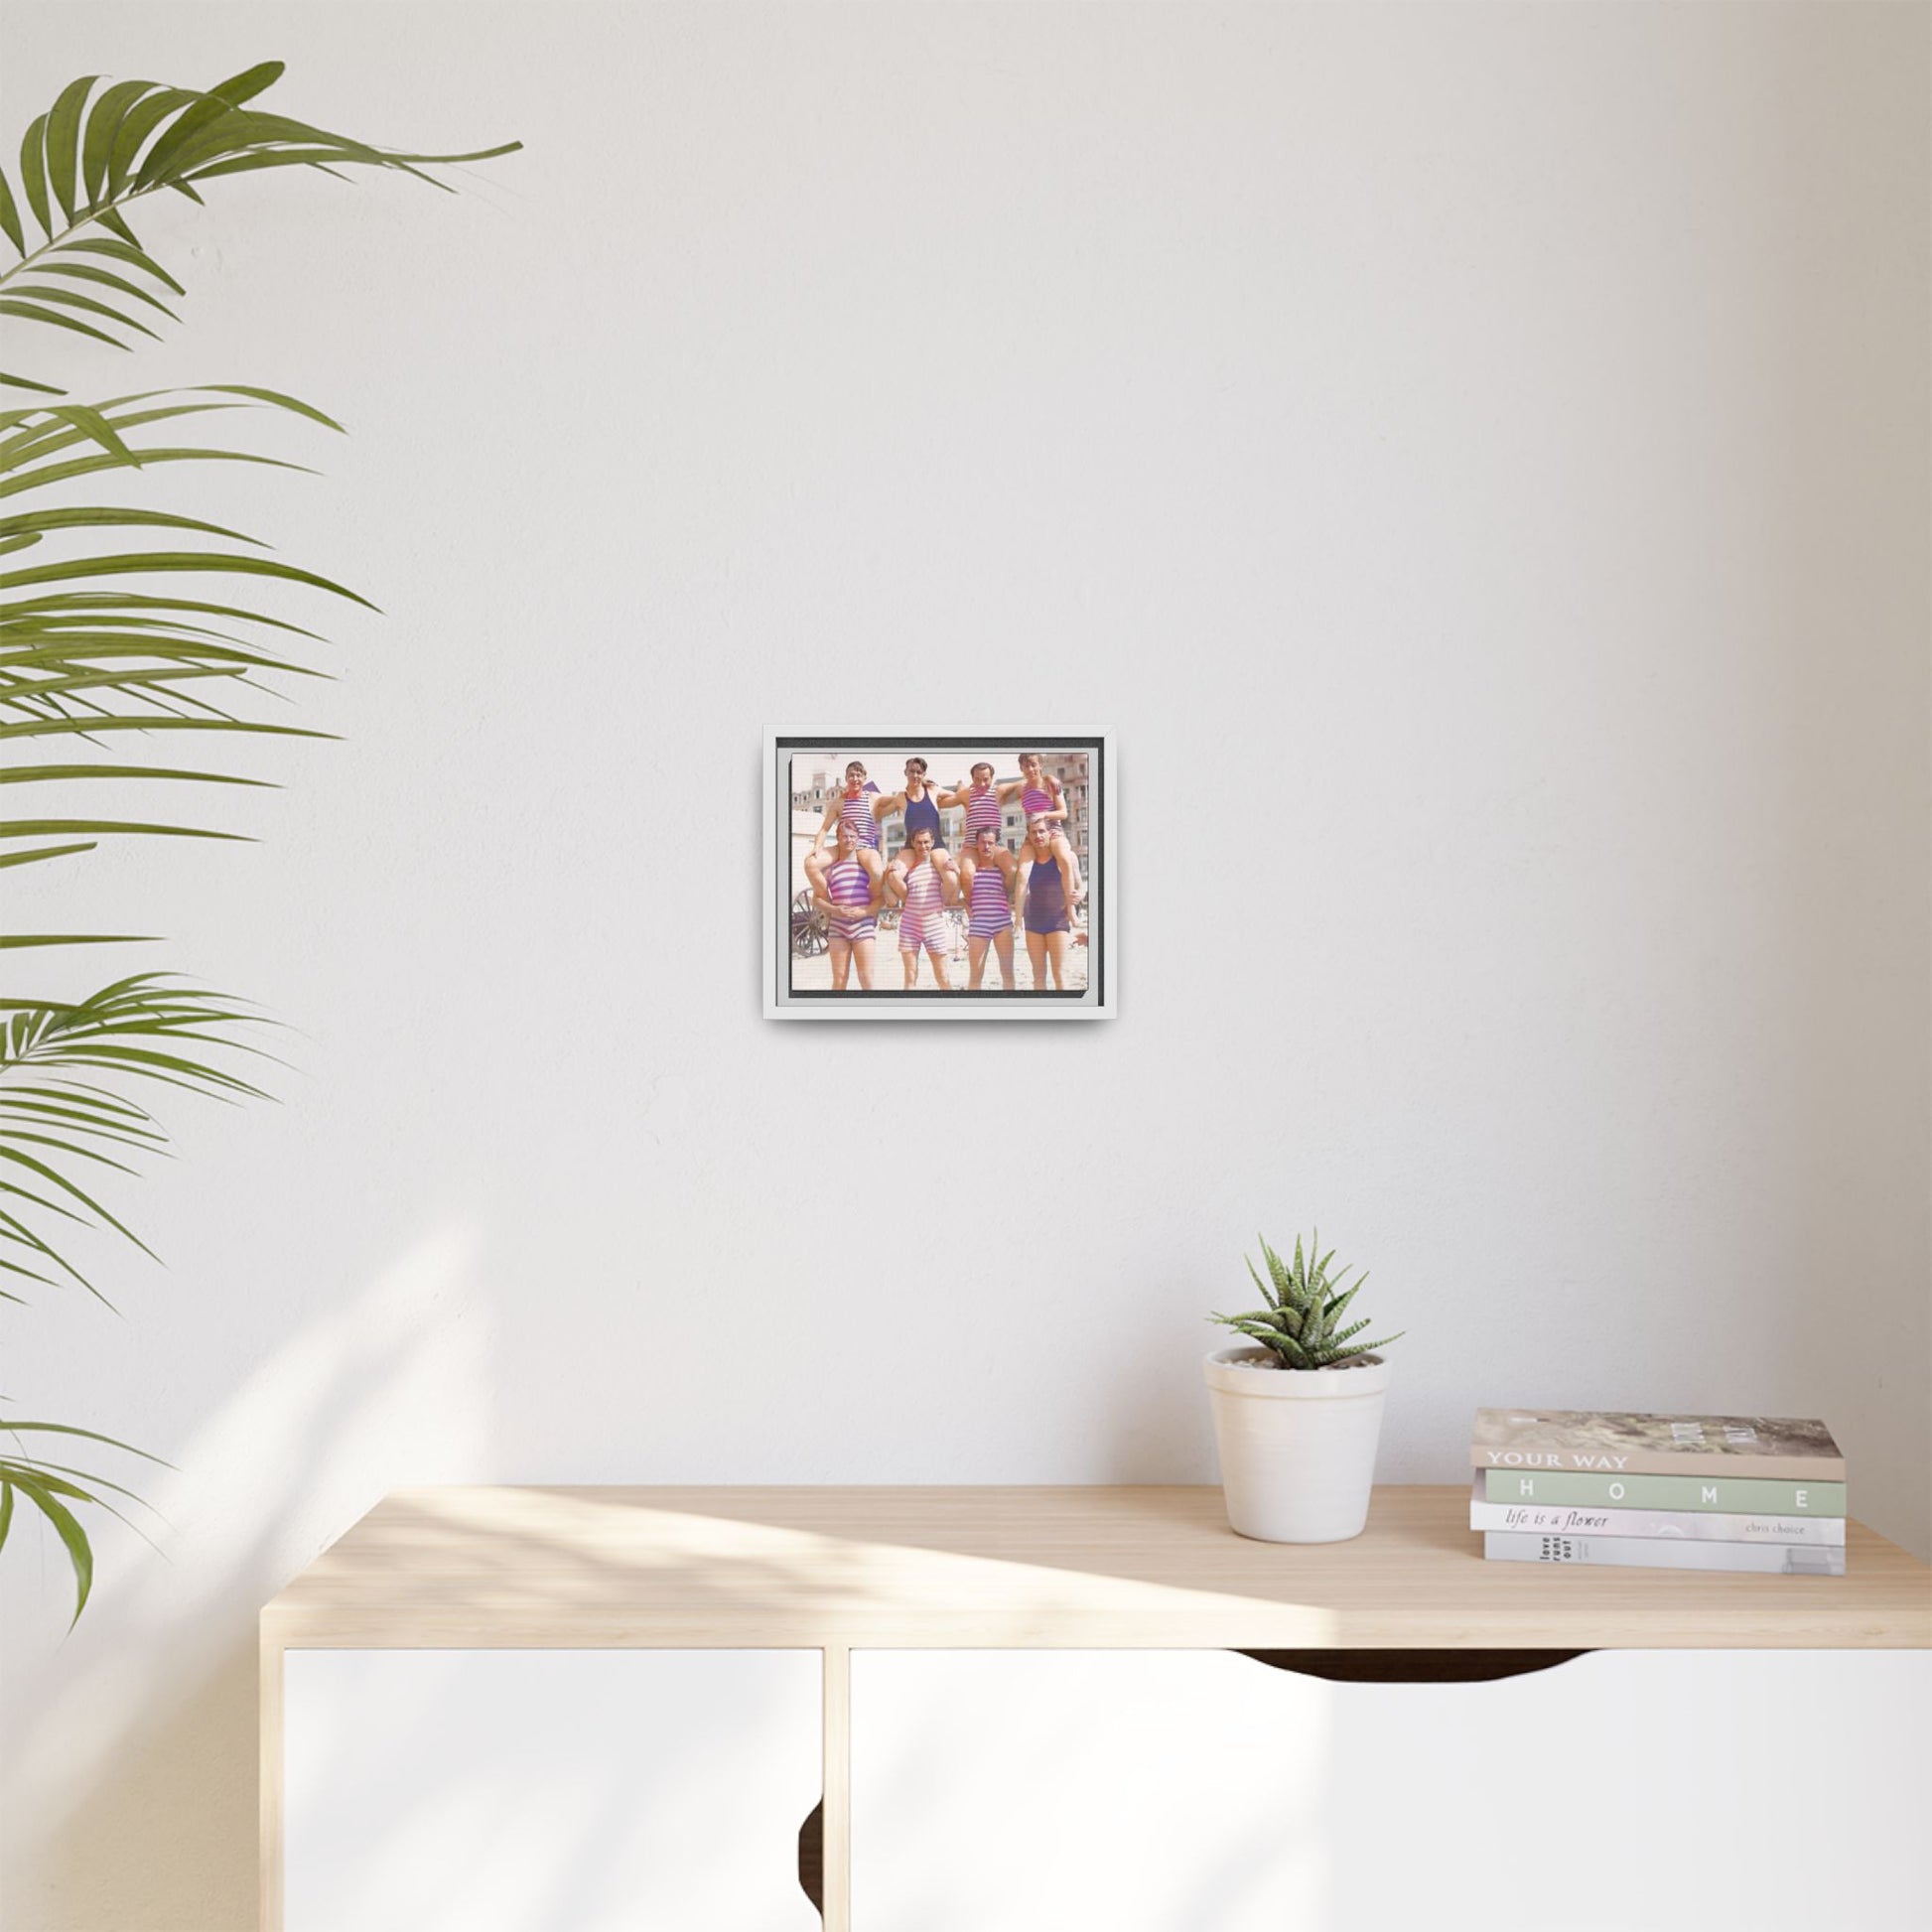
point(945, 875)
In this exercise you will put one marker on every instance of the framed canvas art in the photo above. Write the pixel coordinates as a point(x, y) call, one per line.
point(940, 875)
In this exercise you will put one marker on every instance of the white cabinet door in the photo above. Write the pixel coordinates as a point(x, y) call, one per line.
point(539, 1790)
point(1200, 1791)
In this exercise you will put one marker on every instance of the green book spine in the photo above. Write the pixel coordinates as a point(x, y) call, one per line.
point(1751, 1495)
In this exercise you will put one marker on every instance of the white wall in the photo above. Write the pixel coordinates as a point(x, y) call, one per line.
point(1477, 453)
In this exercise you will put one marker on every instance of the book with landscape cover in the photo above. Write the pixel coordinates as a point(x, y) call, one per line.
point(1684, 1525)
point(1647, 1553)
point(1740, 1495)
point(1632, 1445)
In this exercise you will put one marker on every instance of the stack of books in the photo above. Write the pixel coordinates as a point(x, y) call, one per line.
point(1661, 1492)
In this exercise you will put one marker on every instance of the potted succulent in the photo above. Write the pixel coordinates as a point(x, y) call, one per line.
point(1297, 1415)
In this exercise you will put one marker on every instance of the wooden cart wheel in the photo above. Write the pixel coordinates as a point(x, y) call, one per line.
point(810, 929)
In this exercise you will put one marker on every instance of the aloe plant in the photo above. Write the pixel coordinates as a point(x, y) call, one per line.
point(1301, 1323)
point(105, 649)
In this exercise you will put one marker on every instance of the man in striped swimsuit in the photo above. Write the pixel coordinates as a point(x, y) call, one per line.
point(848, 888)
point(923, 890)
point(996, 883)
point(983, 801)
point(857, 806)
point(1041, 797)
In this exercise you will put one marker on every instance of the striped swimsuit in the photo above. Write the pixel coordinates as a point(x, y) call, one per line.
point(1034, 799)
point(982, 808)
point(923, 922)
point(990, 913)
point(855, 814)
point(847, 883)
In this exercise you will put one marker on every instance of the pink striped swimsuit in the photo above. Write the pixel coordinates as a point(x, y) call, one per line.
point(982, 808)
point(922, 921)
point(1032, 800)
point(990, 913)
point(848, 884)
point(855, 814)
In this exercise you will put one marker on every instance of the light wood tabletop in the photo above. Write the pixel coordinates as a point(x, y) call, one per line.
point(1047, 1566)
point(839, 1570)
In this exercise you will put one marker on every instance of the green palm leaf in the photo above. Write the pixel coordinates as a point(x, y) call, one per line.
point(80, 656)
point(52, 1487)
point(23, 311)
point(145, 1026)
point(25, 292)
point(82, 165)
point(33, 175)
point(24, 941)
point(103, 120)
point(152, 563)
point(41, 853)
point(40, 522)
point(39, 1489)
point(105, 278)
point(67, 773)
point(10, 223)
point(64, 142)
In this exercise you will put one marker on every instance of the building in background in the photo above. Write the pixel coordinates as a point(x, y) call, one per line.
point(1071, 769)
point(811, 799)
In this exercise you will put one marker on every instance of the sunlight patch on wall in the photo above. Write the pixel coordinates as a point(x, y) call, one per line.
point(393, 1388)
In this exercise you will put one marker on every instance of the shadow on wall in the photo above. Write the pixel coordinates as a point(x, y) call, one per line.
point(134, 1808)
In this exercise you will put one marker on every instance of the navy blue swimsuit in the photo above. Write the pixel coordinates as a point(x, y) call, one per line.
point(1046, 896)
point(922, 815)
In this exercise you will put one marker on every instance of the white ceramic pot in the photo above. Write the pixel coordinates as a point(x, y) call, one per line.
point(1298, 1446)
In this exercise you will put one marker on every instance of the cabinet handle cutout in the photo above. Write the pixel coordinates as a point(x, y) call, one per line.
point(812, 1856)
point(1412, 1666)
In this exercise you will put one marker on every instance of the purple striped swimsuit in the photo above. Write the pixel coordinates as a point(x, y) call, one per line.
point(990, 913)
point(847, 883)
point(922, 921)
point(982, 808)
point(1032, 800)
point(855, 814)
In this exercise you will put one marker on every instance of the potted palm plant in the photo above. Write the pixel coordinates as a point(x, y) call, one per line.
point(1299, 1412)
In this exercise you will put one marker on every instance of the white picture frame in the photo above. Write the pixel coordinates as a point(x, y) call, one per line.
point(796, 973)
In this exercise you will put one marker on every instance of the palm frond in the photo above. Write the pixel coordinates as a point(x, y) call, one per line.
point(54, 1111)
point(53, 1487)
point(85, 653)
point(94, 154)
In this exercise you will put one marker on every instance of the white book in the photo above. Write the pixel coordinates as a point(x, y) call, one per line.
point(1667, 1525)
point(1647, 1553)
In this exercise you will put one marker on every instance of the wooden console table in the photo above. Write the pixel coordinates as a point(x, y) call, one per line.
point(836, 1571)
